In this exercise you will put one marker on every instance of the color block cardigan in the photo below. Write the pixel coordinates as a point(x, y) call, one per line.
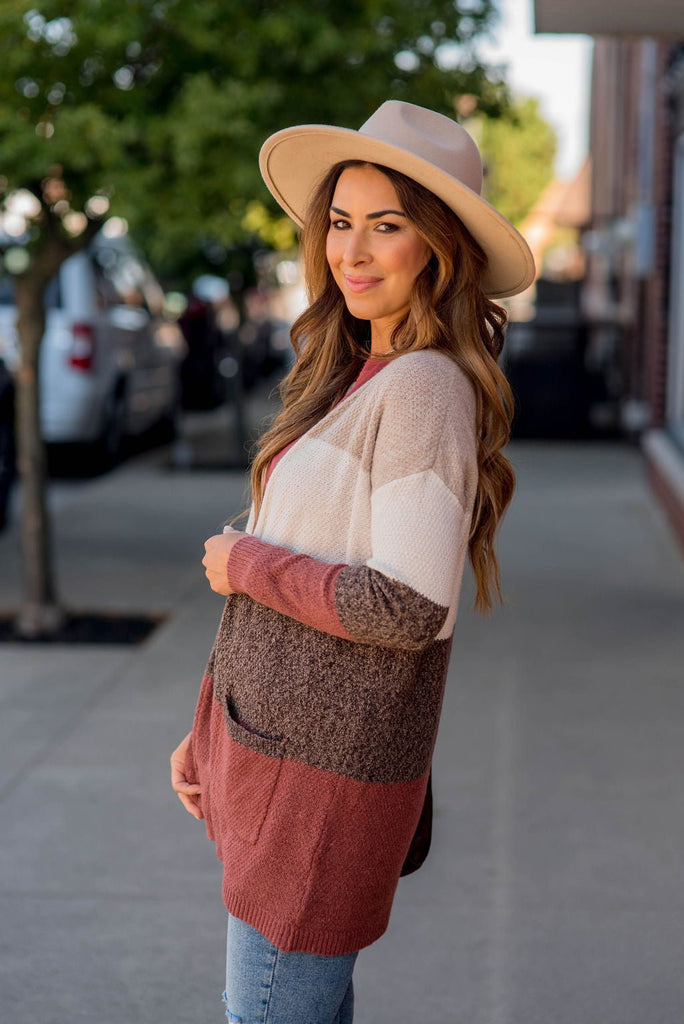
point(318, 712)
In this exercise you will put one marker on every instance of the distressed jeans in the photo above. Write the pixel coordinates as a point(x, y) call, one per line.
point(266, 986)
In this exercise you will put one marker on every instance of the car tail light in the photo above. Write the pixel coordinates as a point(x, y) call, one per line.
point(82, 355)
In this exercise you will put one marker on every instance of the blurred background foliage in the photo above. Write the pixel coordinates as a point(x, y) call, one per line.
point(161, 107)
point(518, 150)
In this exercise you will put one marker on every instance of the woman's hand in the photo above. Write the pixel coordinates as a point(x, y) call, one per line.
point(188, 793)
point(217, 551)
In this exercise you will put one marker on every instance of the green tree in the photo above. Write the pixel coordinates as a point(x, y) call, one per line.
point(158, 108)
point(518, 149)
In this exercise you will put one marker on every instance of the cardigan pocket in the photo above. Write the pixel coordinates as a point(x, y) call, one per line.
point(252, 772)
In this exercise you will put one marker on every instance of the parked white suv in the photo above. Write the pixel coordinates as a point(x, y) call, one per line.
point(109, 358)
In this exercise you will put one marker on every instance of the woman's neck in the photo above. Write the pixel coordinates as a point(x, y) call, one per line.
point(381, 339)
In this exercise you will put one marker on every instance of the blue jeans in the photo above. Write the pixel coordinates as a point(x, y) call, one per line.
point(266, 986)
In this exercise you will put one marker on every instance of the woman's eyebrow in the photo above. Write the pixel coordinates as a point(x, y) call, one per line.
point(369, 216)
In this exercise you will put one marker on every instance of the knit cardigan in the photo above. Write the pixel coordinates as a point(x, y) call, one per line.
point(318, 711)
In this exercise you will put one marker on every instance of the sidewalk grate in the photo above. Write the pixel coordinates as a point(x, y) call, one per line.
point(88, 628)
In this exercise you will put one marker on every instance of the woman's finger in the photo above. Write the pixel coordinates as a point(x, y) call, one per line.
point(190, 788)
point(190, 806)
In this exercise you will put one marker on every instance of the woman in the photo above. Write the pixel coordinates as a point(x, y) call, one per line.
point(310, 752)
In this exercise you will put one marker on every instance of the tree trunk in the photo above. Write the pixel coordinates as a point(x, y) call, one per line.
point(40, 613)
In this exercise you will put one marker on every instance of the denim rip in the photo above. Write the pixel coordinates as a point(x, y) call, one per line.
point(230, 1016)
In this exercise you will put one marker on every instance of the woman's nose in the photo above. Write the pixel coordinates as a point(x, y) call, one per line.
point(356, 250)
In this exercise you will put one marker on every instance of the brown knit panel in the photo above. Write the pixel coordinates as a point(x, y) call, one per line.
point(364, 711)
point(374, 608)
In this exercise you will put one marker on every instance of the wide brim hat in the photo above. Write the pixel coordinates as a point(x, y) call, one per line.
point(428, 147)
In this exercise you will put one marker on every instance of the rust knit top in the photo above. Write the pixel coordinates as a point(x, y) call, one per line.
point(317, 716)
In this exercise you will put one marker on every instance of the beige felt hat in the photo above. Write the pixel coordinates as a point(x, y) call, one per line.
point(432, 149)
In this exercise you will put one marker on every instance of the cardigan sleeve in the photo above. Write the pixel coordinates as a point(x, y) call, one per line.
point(422, 485)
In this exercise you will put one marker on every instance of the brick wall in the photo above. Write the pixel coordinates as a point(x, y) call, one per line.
point(634, 299)
point(655, 338)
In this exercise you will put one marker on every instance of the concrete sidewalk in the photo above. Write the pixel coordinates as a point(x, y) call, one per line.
point(553, 892)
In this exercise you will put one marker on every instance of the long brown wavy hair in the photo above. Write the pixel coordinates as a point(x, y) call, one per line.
point(448, 311)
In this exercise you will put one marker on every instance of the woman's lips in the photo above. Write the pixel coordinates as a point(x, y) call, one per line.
point(361, 284)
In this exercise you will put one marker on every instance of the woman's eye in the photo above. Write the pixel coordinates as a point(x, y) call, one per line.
point(339, 225)
point(387, 228)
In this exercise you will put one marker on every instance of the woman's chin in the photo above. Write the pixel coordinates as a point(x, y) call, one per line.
point(358, 308)
point(369, 310)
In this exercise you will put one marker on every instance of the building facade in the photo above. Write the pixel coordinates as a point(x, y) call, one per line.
point(633, 292)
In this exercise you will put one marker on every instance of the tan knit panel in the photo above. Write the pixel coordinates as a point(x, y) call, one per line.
point(427, 421)
point(425, 408)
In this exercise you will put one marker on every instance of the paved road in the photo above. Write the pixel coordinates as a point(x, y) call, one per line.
point(554, 891)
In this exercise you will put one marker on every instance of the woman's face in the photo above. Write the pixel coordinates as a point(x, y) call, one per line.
point(374, 251)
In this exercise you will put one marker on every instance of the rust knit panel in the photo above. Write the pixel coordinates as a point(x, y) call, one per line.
point(310, 858)
point(296, 585)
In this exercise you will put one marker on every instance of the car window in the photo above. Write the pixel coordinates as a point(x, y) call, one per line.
point(118, 279)
point(124, 280)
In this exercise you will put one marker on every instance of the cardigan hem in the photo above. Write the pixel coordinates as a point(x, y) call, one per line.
point(292, 938)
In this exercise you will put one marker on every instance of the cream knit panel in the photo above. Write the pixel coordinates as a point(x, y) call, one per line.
point(317, 503)
point(416, 534)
